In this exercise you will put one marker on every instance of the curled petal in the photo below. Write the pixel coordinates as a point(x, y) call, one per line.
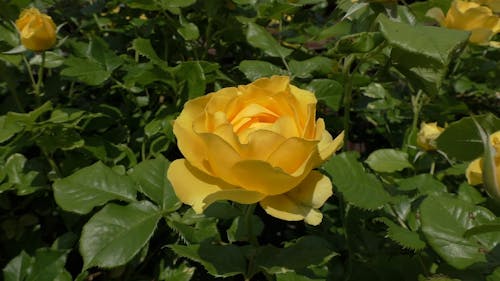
point(199, 190)
point(327, 147)
point(302, 202)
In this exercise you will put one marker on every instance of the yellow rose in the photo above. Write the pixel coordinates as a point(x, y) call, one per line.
point(474, 172)
point(38, 31)
point(471, 16)
point(254, 143)
point(494, 5)
point(427, 135)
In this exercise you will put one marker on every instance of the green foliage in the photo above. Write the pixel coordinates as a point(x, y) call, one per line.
point(115, 234)
point(358, 187)
point(86, 138)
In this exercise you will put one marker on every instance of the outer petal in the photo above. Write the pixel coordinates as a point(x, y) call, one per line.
point(199, 190)
point(474, 173)
point(273, 84)
point(437, 14)
point(481, 36)
point(262, 177)
point(327, 146)
point(188, 141)
point(302, 202)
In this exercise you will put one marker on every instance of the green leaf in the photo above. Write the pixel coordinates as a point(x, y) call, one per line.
point(85, 70)
point(180, 273)
point(328, 91)
point(255, 69)
point(484, 228)
point(238, 231)
point(424, 183)
point(404, 237)
point(188, 30)
point(19, 175)
point(294, 276)
point(28, 119)
point(144, 48)
point(306, 68)
point(150, 175)
point(388, 160)
point(99, 50)
point(59, 137)
point(218, 260)
point(462, 140)
point(444, 223)
point(358, 43)
point(48, 265)
point(260, 38)
point(470, 194)
point(192, 75)
point(422, 53)
point(65, 115)
point(203, 230)
point(18, 268)
point(307, 251)
point(358, 187)
point(115, 234)
point(52, 60)
point(92, 186)
point(8, 128)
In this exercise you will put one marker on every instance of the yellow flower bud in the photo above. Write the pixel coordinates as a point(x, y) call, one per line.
point(474, 172)
point(427, 135)
point(37, 30)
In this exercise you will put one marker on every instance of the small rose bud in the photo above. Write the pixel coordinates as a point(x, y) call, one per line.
point(37, 30)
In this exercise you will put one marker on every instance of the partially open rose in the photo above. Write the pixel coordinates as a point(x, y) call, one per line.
point(480, 20)
point(254, 143)
point(38, 31)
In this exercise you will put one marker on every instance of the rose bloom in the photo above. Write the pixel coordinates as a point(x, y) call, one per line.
point(254, 143)
point(38, 31)
point(427, 135)
point(474, 172)
point(471, 16)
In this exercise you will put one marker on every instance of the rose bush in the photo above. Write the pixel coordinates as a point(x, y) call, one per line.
point(37, 30)
point(254, 143)
point(480, 20)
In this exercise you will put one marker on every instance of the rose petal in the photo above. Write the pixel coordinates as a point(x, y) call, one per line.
point(304, 105)
point(302, 202)
point(221, 156)
point(199, 190)
point(480, 36)
point(474, 172)
point(262, 177)
point(261, 144)
point(292, 154)
point(191, 146)
point(274, 84)
point(327, 146)
point(219, 101)
point(313, 191)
